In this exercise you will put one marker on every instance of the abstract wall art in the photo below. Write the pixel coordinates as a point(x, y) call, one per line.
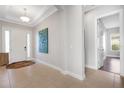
point(43, 41)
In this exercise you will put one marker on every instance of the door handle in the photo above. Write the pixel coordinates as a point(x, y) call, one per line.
point(25, 48)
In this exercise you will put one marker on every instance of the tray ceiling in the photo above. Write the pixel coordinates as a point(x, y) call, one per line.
point(36, 13)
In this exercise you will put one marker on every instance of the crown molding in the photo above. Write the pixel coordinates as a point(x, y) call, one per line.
point(49, 10)
point(86, 10)
point(8, 21)
point(47, 13)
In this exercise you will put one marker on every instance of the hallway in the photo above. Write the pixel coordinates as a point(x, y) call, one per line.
point(111, 64)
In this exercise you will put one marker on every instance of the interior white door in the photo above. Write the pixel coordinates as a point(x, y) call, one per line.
point(100, 46)
point(17, 46)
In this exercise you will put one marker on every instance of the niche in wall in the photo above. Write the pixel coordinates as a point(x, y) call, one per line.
point(43, 41)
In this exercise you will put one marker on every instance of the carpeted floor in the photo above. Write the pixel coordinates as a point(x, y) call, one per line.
point(19, 64)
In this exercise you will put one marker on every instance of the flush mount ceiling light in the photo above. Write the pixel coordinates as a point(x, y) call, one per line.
point(25, 18)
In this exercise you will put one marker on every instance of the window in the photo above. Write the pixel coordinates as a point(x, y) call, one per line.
point(28, 45)
point(7, 41)
point(115, 41)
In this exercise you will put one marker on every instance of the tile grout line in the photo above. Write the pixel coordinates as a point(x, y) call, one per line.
point(9, 79)
point(114, 81)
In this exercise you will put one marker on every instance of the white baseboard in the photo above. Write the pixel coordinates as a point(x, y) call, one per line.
point(76, 76)
point(92, 67)
point(45, 63)
point(112, 56)
point(59, 69)
point(122, 75)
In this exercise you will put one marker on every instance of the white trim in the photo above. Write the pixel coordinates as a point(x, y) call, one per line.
point(75, 75)
point(90, 8)
point(119, 11)
point(112, 56)
point(122, 75)
point(45, 63)
point(121, 41)
point(110, 13)
point(91, 67)
point(17, 23)
point(48, 13)
point(59, 69)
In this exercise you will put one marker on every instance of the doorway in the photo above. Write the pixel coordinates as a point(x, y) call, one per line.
point(17, 44)
point(108, 43)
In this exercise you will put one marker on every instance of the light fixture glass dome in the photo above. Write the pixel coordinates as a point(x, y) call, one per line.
point(25, 18)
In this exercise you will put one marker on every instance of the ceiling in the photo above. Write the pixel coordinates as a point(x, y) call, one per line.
point(36, 13)
point(90, 7)
point(111, 21)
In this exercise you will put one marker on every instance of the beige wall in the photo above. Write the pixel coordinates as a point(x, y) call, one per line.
point(55, 41)
point(65, 41)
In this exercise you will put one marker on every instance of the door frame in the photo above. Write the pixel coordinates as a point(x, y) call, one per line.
point(121, 23)
point(3, 43)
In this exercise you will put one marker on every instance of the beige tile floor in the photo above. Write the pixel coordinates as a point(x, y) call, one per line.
point(41, 76)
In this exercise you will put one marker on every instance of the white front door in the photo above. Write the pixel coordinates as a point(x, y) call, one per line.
point(18, 46)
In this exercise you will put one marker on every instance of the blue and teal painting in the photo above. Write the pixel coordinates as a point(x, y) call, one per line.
point(43, 41)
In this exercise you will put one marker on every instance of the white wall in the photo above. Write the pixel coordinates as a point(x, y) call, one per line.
point(0, 38)
point(75, 39)
point(55, 43)
point(65, 41)
point(122, 42)
point(90, 30)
